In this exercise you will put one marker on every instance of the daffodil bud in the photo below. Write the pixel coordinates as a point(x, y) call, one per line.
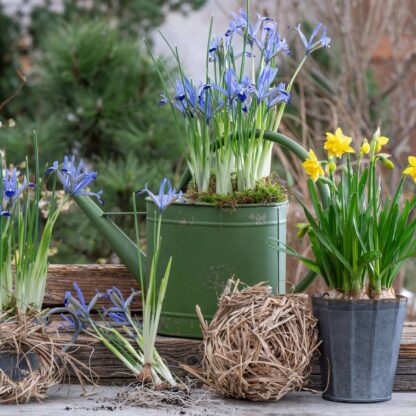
point(326, 181)
point(332, 166)
point(303, 229)
point(365, 147)
point(387, 163)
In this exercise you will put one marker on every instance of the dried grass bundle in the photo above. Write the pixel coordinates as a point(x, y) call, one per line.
point(258, 346)
point(39, 360)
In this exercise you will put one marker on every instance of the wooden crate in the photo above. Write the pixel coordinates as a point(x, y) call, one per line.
point(176, 351)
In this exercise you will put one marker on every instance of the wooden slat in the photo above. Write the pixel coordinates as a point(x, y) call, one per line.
point(89, 277)
point(178, 351)
point(174, 350)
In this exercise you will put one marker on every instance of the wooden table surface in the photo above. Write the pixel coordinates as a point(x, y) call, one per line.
point(68, 402)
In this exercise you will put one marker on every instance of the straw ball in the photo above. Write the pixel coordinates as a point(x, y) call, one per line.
point(258, 346)
point(25, 337)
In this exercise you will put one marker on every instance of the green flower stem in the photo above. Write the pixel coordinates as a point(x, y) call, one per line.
point(289, 88)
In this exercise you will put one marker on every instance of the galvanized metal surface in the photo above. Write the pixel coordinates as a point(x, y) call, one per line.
point(210, 245)
point(68, 402)
point(360, 347)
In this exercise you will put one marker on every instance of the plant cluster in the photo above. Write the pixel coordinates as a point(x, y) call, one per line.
point(359, 239)
point(145, 362)
point(226, 114)
point(24, 241)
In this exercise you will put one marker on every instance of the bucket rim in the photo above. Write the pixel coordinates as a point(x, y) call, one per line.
point(189, 203)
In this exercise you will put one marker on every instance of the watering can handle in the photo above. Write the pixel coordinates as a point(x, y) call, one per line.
point(77, 324)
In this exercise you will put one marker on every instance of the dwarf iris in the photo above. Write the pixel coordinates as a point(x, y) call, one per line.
point(244, 99)
point(162, 200)
point(75, 179)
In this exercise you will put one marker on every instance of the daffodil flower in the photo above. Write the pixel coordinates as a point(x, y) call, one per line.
point(381, 141)
point(337, 144)
point(312, 166)
point(411, 169)
point(365, 147)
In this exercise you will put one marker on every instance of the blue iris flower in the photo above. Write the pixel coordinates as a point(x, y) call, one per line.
point(191, 101)
point(231, 85)
point(78, 305)
point(75, 178)
point(120, 311)
point(266, 77)
point(234, 89)
point(272, 43)
point(242, 22)
point(278, 95)
point(214, 44)
point(5, 214)
point(163, 200)
point(205, 104)
point(179, 90)
point(11, 186)
point(312, 44)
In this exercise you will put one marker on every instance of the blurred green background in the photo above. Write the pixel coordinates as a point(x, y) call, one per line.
point(91, 90)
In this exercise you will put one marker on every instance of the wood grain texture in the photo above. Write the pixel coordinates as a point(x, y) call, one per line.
point(176, 351)
point(89, 277)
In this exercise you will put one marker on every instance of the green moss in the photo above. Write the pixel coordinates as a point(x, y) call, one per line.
point(267, 191)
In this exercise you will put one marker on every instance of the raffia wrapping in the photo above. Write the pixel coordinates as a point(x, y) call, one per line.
point(20, 335)
point(258, 346)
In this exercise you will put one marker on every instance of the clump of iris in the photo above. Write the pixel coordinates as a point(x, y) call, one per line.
point(227, 113)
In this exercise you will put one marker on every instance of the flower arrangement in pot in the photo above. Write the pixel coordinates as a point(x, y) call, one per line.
point(25, 347)
point(360, 239)
point(232, 198)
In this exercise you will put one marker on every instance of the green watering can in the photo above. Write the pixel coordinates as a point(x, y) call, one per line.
point(184, 321)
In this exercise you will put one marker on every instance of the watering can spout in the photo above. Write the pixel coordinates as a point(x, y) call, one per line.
point(123, 246)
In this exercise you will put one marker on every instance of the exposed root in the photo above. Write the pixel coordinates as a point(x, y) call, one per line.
point(145, 395)
point(38, 361)
point(386, 293)
point(335, 294)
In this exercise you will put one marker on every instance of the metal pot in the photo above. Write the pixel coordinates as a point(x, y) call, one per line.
point(360, 347)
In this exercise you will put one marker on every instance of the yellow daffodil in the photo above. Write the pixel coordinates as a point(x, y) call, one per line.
point(312, 166)
point(411, 169)
point(337, 144)
point(381, 141)
point(365, 147)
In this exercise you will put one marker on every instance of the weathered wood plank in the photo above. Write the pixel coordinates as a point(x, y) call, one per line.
point(89, 277)
point(178, 351)
point(174, 350)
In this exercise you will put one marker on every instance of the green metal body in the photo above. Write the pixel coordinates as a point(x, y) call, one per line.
point(210, 245)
